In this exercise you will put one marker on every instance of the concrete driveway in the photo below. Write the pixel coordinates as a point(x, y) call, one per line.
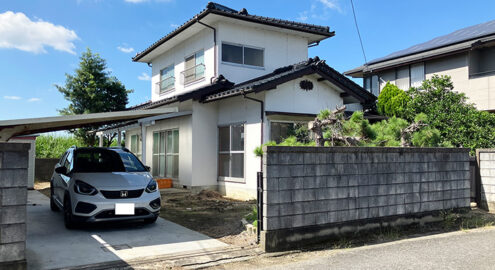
point(50, 245)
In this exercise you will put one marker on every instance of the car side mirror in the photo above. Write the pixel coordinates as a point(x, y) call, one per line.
point(61, 170)
point(148, 168)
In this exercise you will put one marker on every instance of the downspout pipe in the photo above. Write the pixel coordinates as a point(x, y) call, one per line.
point(214, 48)
point(262, 114)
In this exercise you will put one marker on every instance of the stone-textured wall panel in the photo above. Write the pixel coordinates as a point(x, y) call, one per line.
point(13, 199)
point(486, 165)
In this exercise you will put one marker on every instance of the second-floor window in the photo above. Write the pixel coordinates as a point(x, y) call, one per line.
point(194, 67)
point(243, 55)
point(167, 79)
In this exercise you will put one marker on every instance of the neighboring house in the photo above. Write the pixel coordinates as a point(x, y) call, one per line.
point(467, 55)
point(233, 81)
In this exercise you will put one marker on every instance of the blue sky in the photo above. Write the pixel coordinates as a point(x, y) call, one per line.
point(44, 38)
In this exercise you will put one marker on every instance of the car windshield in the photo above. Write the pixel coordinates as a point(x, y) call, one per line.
point(102, 160)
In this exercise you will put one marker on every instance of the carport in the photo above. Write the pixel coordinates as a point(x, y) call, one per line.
point(32, 235)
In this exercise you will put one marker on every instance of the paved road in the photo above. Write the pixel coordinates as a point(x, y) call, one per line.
point(50, 245)
point(460, 250)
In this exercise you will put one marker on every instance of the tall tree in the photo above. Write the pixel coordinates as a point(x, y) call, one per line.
point(92, 89)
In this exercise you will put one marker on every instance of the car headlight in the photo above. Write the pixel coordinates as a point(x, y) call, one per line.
point(84, 188)
point(151, 187)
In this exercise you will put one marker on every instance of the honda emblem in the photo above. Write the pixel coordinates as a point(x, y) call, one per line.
point(123, 193)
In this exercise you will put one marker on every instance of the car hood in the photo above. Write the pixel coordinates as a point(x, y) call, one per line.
point(117, 180)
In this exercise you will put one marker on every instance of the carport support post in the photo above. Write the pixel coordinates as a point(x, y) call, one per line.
point(143, 143)
point(119, 137)
point(100, 137)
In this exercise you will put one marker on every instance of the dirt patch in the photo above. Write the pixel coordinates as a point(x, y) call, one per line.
point(43, 187)
point(211, 214)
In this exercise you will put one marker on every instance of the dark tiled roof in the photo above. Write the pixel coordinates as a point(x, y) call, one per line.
point(222, 10)
point(223, 88)
point(461, 35)
point(218, 84)
point(284, 74)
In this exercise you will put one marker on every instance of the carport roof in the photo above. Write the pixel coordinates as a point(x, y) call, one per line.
point(17, 127)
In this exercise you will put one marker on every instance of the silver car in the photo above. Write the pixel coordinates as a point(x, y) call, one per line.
point(103, 184)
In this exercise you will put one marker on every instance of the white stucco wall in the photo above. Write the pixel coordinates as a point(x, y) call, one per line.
point(281, 49)
point(204, 144)
point(176, 56)
point(289, 97)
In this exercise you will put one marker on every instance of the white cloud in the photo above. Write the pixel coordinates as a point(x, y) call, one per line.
point(331, 4)
point(142, 1)
point(173, 25)
point(12, 97)
point(125, 49)
point(17, 31)
point(34, 99)
point(320, 10)
point(144, 77)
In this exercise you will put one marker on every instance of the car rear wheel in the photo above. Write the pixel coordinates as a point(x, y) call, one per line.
point(150, 220)
point(68, 217)
point(53, 205)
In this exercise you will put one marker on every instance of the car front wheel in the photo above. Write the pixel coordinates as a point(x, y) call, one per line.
point(68, 217)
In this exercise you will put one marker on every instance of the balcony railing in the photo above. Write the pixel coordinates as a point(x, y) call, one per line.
point(165, 86)
point(193, 74)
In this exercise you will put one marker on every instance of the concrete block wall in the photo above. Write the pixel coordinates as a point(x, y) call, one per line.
point(44, 168)
point(14, 159)
point(315, 186)
point(486, 164)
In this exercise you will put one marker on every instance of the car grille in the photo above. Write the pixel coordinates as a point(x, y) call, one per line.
point(117, 194)
point(111, 213)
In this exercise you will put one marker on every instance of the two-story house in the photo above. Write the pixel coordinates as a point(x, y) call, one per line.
point(467, 55)
point(232, 81)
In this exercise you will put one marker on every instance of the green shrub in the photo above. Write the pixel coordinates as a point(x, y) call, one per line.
point(392, 101)
point(50, 146)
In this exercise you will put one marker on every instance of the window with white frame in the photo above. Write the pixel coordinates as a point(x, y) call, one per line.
point(243, 55)
point(167, 79)
point(231, 153)
point(194, 67)
point(166, 153)
point(136, 145)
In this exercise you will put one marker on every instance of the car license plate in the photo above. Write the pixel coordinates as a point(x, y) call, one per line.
point(124, 209)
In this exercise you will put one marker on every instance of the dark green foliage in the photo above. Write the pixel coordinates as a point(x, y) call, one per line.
point(392, 101)
point(91, 90)
point(388, 132)
point(459, 123)
point(357, 126)
point(300, 131)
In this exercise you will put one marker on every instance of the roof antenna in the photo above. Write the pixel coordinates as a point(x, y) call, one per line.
point(359, 35)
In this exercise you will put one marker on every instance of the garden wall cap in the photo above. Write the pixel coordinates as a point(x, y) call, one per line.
point(345, 149)
point(14, 147)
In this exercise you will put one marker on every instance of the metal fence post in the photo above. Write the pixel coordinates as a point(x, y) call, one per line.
point(260, 205)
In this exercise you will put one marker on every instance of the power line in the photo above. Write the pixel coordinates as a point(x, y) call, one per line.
point(359, 34)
